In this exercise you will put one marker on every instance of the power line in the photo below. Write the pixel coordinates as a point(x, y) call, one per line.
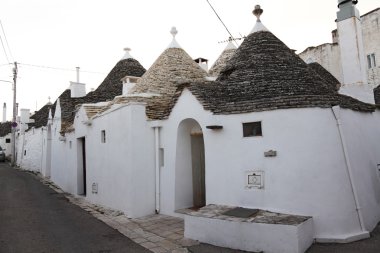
point(222, 22)
point(5, 52)
point(6, 40)
point(57, 68)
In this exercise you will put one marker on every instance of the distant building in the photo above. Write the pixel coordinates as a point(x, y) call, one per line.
point(329, 55)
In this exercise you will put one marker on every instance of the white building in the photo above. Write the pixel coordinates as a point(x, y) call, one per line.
point(270, 133)
point(364, 46)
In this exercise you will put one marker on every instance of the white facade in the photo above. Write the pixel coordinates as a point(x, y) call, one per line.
point(308, 176)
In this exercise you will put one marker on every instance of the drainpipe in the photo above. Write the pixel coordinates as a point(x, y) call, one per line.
point(157, 166)
point(336, 112)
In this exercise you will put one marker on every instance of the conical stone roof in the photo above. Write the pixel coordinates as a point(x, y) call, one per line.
point(173, 68)
point(111, 86)
point(264, 74)
point(222, 60)
point(325, 75)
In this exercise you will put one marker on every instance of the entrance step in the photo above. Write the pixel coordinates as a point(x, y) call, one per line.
point(264, 231)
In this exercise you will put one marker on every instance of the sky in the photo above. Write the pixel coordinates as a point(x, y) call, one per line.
point(49, 38)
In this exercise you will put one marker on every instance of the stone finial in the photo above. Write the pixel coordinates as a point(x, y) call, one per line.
point(257, 12)
point(174, 43)
point(127, 55)
point(174, 31)
point(259, 26)
point(49, 100)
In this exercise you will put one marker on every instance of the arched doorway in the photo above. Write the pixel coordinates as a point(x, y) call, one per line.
point(190, 183)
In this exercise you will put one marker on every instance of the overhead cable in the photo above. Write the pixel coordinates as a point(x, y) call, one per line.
point(6, 40)
point(222, 22)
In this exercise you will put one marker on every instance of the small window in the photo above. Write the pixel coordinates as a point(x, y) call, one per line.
point(162, 162)
point(252, 129)
point(103, 136)
point(371, 61)
point(24, 152)
point(7, 140)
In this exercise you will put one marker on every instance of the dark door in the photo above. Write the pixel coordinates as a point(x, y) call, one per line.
point(198, 164)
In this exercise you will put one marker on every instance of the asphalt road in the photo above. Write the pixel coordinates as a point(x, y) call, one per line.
point(34, 218)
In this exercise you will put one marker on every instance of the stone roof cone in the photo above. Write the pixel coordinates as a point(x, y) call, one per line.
point(264, 74)
point(172, 68)
point(222, 60)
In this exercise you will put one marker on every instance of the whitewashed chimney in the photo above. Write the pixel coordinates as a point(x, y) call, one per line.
point(77, 88)
point(24, 119)
point(4, 112)
point(351, 43)
point(203, 63)
point(128, 83)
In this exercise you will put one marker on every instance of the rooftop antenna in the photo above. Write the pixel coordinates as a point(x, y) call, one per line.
point(232, 37)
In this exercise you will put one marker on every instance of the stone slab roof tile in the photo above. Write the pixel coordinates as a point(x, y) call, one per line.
point(41, 117)
point(111, 86)
point(5, 128)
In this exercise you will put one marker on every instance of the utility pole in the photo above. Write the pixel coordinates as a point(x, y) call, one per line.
point(14, 124)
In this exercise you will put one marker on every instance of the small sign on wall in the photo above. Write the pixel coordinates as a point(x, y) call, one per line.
point(94, 188)
point(254, 179)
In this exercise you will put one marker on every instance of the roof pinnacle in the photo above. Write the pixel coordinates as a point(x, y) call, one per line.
point(259, 26)
point(174, 43)
point(127, 55)
point(257, 12)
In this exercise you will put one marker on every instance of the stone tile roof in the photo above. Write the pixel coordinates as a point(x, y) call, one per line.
point(173, 68)
point(111, 86)
point(5, 128)
point(325, 75)
point(264, 74)
point(41, 117)
point(221, 62)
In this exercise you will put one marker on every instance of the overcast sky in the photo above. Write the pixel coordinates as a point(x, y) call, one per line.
point(91, 34)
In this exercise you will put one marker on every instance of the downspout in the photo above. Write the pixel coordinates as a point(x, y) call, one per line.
point(157, 166)
point(336, 112)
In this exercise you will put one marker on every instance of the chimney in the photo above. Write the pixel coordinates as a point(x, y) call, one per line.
point(77, 89)
point(203, 63)
point(128, 83)
point(24, 119)
point(351, 43)
point(4, 112)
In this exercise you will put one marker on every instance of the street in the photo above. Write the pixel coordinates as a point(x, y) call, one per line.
point(34, 218)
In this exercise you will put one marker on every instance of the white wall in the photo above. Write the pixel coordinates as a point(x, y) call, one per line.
point(371, 38)
point(307, 177)
point(63, 167)
point(328, 55)
point(30, 149)
point(123, 166)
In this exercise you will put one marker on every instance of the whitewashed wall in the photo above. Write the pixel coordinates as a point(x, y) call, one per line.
point(308, 176)
point(123, 166)
point(30, 148)
point(328, 55)
point(64, 160)
point(371, 38)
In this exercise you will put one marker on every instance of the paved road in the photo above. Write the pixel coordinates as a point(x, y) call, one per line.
point(34, 218)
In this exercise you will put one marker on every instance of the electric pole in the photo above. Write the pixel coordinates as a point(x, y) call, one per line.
point(14, 124)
